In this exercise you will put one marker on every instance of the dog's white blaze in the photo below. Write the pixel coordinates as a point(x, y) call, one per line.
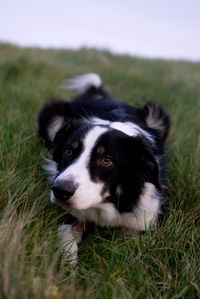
point(99, 121)
point(130, 129)
point(127, 128)
point(145, 214)
point(88, 193)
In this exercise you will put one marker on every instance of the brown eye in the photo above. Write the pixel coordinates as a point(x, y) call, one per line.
point(68, 153)
point(106, 161)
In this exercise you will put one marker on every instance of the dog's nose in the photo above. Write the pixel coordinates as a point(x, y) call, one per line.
point(63, 190)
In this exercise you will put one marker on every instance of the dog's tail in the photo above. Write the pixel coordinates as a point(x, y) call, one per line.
point(83, 82)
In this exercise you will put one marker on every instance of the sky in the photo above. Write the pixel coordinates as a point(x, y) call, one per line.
point(167, 29)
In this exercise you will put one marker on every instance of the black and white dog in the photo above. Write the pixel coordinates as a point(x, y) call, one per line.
point(107, 159)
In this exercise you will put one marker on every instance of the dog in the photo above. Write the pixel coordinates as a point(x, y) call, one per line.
point(108, 161)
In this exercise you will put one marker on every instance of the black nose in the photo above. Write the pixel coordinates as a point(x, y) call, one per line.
point(63, 190)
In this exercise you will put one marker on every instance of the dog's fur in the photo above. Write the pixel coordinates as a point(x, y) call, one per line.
point(108, 161)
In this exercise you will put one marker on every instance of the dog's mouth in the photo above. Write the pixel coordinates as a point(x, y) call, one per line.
point(63, 203)
point(68, 204)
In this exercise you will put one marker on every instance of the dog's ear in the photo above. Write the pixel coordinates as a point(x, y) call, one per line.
point(54, 116)
point(156, 118)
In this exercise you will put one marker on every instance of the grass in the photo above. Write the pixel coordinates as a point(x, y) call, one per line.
point(162, 264)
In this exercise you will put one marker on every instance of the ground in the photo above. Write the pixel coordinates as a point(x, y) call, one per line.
point(161, 264)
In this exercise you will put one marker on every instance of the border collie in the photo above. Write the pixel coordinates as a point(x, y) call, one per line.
point(108, 161)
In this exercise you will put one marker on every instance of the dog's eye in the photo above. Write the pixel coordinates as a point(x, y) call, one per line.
point(106, 161)
point(68, 153)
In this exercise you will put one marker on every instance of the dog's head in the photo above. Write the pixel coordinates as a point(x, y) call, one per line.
point(99, 161)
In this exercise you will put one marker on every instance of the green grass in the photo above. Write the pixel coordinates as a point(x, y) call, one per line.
point(162, 264)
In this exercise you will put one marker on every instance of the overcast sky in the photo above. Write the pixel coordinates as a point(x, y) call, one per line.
point(150, 28)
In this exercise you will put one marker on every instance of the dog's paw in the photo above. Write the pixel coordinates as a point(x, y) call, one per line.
point(68, 244)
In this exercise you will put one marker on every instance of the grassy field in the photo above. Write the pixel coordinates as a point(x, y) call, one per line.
point(162, 264)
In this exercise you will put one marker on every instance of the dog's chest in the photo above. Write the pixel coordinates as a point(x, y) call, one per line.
point(107, 215)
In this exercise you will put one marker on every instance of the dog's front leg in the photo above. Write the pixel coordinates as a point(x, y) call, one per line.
point(69, 236)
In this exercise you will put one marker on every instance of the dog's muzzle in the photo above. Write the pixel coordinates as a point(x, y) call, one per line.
point(63, 190)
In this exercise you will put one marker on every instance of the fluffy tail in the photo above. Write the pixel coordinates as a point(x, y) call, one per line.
point(83, 82)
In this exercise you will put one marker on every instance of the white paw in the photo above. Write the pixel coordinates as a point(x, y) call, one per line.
point(67, 242)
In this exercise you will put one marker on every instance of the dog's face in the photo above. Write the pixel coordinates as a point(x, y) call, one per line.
point(101, 162)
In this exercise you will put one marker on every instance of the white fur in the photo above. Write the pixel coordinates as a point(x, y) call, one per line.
point(105, 214)
point(83, 82)
point(68, 241)
point(51, 167)
point(99, 121)
point(88, 193)
point(127, 128)
point(54, 126)
point(52, 197)
point(148, 207)
point(130, 129)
